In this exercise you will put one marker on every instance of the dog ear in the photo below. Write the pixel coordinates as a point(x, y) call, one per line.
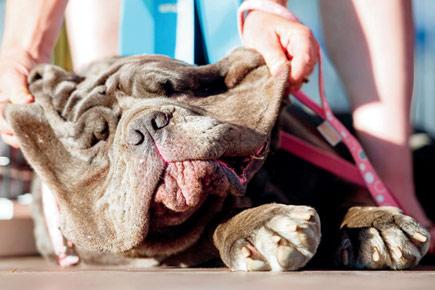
point(43, 150)
point(44, 131)
point(250, 97)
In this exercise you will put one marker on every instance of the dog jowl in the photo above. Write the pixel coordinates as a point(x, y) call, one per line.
point(150, 157)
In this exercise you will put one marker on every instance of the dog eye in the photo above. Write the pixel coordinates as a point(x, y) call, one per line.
point(100, 133)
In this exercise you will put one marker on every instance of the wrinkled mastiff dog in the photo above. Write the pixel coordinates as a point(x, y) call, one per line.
point(151, 157)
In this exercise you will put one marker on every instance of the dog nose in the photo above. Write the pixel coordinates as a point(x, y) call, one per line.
point(159, 120)
point(149, 123)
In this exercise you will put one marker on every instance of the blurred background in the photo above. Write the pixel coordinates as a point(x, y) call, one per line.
point(16, 176)
point(307, 10)
point(424, 82)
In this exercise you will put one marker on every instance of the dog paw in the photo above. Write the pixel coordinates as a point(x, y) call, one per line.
point(272, 237)
point(381, 237)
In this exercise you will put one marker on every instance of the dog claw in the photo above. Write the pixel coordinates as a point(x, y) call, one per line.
point(376, 257)
point(245, 252)
point(419, 237)
point(396, 252)
point(345, 257)
point(276, 239)
point(306, 216)
point(256, 265)
point(283, 254)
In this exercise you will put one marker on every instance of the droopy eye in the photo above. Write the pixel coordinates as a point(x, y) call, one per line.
point(101, 132)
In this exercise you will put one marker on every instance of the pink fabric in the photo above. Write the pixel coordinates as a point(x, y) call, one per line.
point(374, 184)
point(321, 158)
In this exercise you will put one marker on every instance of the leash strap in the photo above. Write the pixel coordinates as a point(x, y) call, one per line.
point(320, 158)
point(62, 248)
point(332, 129)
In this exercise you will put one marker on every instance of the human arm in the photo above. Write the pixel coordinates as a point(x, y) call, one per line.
point(371, 45)
point(31, 30)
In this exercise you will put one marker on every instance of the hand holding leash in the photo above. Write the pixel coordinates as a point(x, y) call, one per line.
point(279, 39)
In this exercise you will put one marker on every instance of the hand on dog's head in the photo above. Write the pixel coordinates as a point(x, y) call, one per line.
point(147, 148)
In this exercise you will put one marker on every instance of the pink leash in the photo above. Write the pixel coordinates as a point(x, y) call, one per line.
point(62, 248)
point(332, 129)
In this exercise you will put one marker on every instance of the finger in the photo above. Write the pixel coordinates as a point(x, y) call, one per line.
point(22, 97)
point(302, 65)
point(304, 57)
point(5, 128)
point(15, 89)
point(273, 55)
point(19, 97)
point(3, 99)
point(10, 140)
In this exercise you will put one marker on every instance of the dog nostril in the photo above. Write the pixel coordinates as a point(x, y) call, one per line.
point(160, 121)
point(136, 138)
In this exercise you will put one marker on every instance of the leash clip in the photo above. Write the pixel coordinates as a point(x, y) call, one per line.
point(329, 133)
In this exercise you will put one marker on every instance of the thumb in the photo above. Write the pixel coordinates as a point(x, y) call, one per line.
point(21, 95)
point(14, 89)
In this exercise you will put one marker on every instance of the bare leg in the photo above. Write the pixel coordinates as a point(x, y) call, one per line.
point(93, 29)
point(371, 44)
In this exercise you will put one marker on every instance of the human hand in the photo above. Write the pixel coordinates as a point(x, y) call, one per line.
point(282, 41)
point(14, 69)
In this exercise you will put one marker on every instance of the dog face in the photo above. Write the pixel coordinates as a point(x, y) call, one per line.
point(141, 152)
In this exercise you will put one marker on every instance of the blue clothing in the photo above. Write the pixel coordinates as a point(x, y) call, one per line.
point(151, 27)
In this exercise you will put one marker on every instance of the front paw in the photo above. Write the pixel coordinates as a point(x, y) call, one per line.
point(272, 237)
point(381, 237)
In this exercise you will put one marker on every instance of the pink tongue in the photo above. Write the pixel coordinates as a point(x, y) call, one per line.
point(185, 184)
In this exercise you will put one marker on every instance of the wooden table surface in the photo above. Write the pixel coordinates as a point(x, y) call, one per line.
point(35, 273)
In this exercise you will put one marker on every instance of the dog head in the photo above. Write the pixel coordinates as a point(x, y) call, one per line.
point(142, 151)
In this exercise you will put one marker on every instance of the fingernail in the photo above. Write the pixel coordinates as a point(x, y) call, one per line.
point(29, 98)
point(23, 98)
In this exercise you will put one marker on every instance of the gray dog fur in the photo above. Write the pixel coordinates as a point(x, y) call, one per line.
point(140, 150)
